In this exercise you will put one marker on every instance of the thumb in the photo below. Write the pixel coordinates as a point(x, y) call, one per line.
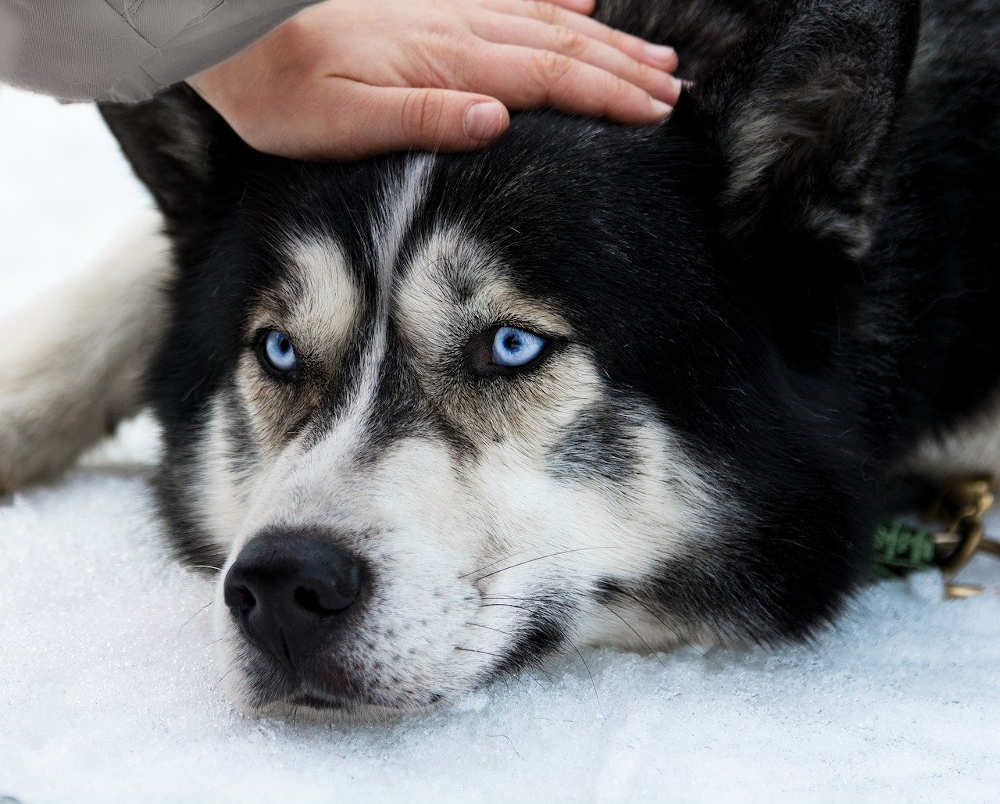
point(381, 119)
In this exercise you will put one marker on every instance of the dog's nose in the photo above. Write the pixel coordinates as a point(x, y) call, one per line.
point(288, 590)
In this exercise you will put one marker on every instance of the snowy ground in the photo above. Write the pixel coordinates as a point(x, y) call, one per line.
point(108, 690)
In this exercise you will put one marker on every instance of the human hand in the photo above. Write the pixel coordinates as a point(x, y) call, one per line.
point(350, 78)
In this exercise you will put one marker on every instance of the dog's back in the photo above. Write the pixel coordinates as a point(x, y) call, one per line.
point(929, 288)
point(938, 249)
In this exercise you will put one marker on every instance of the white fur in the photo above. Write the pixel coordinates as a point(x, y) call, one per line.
point(971, 448)
point(457, 547)
point(81, 357)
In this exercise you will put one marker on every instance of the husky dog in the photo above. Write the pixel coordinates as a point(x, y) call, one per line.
point(434, 417)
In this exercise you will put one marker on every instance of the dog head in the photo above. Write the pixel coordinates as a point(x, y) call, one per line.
point(437, 416)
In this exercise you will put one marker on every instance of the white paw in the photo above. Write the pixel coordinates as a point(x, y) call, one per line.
point(52, 403)
point(74, 361)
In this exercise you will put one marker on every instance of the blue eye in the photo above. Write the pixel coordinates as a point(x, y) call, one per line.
point(514, 347)
point(279, 352)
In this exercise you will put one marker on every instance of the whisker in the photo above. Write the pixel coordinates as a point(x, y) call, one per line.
point(493, 563)
point(505, 679)
point(205, 566)
point(484, 652)
point(189, 619)
point(645, 607)
point(490, 628)
point(637, 634)
point(220, 679)
point(512, 748)
point(514, 597)
point(505, 605)
point(213, 642)
point(597, 698)
point(539, 558)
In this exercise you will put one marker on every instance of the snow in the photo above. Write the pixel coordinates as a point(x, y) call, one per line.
point(109, 691)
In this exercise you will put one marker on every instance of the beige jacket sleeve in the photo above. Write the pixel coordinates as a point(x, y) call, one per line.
point(125, 50)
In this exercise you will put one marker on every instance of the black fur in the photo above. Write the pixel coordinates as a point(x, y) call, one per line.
point(596, 445)
point(799, 325)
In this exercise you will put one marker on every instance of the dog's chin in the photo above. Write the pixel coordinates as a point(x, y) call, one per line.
point(297, 700)
point(310, 707)
point(314, 709)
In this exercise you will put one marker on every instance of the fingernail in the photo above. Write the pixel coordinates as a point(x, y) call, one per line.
point(484, 121)
point(661, 109)
point(660, 52)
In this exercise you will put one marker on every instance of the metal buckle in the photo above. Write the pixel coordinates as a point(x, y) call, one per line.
point(960, 508)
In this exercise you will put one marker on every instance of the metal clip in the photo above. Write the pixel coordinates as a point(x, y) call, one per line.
point(960, 507)
point(960, 498)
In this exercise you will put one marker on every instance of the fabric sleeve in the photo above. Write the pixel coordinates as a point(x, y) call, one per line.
point(125, 50)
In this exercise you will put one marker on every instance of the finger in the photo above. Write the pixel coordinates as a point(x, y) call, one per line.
point(661, 56)
point(355, 120)
point(535, 78)
point(579, 6)
point(514, 30)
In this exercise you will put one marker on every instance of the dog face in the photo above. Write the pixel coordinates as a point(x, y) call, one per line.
point(437, 416)
point(414, 404)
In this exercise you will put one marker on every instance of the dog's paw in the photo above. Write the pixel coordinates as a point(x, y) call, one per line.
point(74, 362)
point(68, 376)
point(47, 415)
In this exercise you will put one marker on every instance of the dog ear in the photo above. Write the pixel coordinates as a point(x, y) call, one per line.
point(179, 147)
point(801, 114)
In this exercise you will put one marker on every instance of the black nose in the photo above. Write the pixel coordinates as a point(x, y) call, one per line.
point(289, 590)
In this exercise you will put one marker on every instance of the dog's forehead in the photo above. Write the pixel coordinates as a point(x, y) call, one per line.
point(501, 228)
point(318, 289)
point(452, 278)
point(406, 256)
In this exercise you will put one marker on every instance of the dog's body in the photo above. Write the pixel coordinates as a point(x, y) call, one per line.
point(743, 326)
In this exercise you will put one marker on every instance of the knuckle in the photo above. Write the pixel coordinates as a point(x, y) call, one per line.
point(617, 87)
point(296, 48)
point(620, 97)
point(566, 40)
point(621, 41)
point(546, 12)
point(292, 37)
point(291, 32)
point(552, 67)
point(643, 75)
point(441, 60)
point(422, 113)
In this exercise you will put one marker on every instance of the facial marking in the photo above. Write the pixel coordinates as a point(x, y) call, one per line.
point(488, 507)
point(454, 289)
point(317, 305)
point(596, 445)
point(400, 199)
